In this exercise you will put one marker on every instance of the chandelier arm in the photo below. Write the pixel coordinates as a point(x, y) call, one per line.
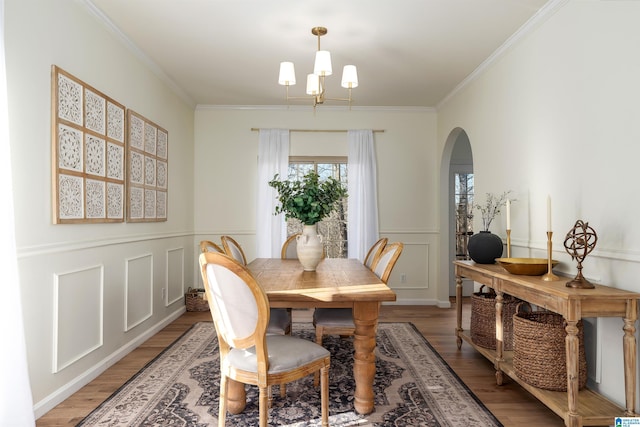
point(301, 97)
point(338, 99)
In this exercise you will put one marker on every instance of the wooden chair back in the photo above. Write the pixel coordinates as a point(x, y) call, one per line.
point(375, 251)
point(233, 249)
point(387, 260)
point(289, 248)
point(209, 246)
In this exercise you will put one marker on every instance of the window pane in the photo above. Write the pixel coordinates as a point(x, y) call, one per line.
point(333, 228)
point(463, 199)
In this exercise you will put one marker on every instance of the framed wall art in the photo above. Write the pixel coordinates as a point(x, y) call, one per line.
point(147, 166)
point(88, 152)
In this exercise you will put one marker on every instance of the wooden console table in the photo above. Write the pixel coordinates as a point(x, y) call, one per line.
point(577, 408)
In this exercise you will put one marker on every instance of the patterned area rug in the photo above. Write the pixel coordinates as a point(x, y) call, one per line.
point(413, 387)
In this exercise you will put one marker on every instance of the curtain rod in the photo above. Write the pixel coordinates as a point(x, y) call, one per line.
point(318, 130)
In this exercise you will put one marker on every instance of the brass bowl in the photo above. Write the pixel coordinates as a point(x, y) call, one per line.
point(526, 266)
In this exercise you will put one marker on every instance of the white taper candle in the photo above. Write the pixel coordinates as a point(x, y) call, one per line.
point(549, 213)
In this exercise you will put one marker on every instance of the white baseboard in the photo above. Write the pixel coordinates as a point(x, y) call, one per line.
point(45, 405)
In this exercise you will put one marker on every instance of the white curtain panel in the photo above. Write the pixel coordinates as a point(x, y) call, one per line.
point(362, 228)
point(273, 158)
point(16, 404)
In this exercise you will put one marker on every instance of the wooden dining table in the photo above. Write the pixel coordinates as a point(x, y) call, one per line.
point(337, 282)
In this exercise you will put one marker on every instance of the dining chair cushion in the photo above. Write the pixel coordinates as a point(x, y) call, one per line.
point(285, 353)
point(328, 317)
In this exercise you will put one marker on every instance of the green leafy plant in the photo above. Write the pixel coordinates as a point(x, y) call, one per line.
point(491, 207)
point(308, 200)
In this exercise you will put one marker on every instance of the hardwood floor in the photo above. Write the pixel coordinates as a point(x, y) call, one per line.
point(513, 406)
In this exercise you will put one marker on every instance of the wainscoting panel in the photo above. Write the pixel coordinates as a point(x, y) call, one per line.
point(139, 290)
point(175, 275)
point(78, 310)
point(414, 277)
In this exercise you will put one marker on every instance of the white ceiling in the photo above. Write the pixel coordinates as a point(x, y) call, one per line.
point(409, 53)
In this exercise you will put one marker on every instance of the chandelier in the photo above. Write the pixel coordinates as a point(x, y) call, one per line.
point(321, 69)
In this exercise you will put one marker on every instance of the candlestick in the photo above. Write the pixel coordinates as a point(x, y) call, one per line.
point(508, 214)
point(549, 213)
point(508, 243)
point(549, 276)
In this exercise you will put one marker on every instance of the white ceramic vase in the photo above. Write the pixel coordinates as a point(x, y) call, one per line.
point(309, 247)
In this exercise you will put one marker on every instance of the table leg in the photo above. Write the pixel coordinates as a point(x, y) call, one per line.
point(572, 343)
point(365, 317)
point(499, 338)
point(459, 311)
point(630, 359)
point(237, 397)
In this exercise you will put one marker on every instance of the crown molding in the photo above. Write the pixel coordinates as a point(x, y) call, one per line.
point(95, 11)
point(545, 12)
point(310, 108)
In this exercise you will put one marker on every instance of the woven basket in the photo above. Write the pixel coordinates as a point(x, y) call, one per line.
point(194, 300)
point(483, 319)
point(539, 355)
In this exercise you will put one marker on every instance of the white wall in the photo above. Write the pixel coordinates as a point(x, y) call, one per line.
point(226, 152)
point(558, 115)
point(91, 292)
point(554, 116)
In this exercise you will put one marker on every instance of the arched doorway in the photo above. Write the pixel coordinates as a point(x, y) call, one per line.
point(456, 185)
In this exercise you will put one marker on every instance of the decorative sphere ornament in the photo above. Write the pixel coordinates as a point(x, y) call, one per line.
point(579, 243)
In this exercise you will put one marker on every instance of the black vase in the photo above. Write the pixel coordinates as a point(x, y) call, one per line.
point(484, 247)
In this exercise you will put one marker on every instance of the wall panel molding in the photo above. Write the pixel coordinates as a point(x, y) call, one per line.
point(175, 275)
point(58, 396)
point(138, 303)
point(77, 315)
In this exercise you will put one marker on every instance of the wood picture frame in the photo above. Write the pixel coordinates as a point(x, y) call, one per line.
point(147, 169)
point(88, 152)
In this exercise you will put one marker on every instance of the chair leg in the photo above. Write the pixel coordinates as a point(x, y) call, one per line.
point(324, 396)
point(288, 331)
point(224, 392)
point(263, 405)
point(319, 333)
point(283, 390)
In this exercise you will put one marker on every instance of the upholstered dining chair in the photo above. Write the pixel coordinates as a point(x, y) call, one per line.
point(233, 249)
point(289, 247)
point(240, 310)
point(209, 246)
point(339, 321)
point(375, 251)
point(280, 318)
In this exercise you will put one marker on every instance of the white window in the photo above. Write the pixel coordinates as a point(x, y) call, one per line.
point(464, 212)
point(334, 228)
